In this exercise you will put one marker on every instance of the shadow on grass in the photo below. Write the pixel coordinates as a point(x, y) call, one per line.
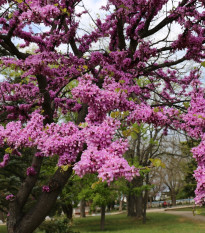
point(121, 223)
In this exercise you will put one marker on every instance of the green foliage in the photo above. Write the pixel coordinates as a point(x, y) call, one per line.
point(95, 191)
point(72, 84)
point(138, 190)
point(157, 163)
point(143, 81)
point(190, 182)
point(12, 175)
point(203, 63)
point(102, 194)
point(57, 225)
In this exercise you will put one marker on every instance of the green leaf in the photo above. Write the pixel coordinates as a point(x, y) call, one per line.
point(186, 104)
point(8, 150)
point(134, 135)
point(115, 114)
point(136, 127)
point(157, 163)
point(126, 132)
point(203, 63)
point(85, 67)
point(64, 10)
point(117, 89)
point(197, 211)
point(83, 125)
point(65, 167)
point(156, 109)
point(153, 142)
point(73, 83)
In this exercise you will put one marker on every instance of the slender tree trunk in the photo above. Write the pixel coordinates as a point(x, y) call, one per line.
point(121, 200)
point(2, 216)
point(150, 201)
point(68, 210)
point(145, 200)
point(82, 208)
point(102, 220)
point(173, 198)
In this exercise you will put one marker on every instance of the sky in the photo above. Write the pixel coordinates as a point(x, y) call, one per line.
point(94, 9)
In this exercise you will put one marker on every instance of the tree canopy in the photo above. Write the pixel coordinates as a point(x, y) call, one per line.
point(53, 67)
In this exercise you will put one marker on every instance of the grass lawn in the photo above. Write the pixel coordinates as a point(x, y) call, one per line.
point(4, 230)
point(156, 223)
point(198, 210)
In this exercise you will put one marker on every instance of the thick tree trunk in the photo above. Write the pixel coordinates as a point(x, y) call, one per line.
point(139, 206)
point(102, 220)
point(135, 200)
point(19, 222)
point(82, 208)
point(131, 205)
point(27, 223)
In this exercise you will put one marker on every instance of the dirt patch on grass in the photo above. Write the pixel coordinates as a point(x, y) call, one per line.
point(182, 220)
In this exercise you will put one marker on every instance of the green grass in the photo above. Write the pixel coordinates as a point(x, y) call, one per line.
point(3, 229)
point(156, 223)
point(198, 210)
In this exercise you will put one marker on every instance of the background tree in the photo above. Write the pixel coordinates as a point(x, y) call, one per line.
point(98, 194)
point(144, 148)
point(173, 176)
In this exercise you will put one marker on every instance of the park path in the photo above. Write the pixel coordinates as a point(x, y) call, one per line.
point(187, 214)
point(152, 210)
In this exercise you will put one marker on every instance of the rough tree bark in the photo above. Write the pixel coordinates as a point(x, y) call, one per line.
point(135, 200)
point(28, 222)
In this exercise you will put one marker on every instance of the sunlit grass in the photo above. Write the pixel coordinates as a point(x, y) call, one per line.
point(156, 223)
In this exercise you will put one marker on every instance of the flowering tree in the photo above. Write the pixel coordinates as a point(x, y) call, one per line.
point(100, 89)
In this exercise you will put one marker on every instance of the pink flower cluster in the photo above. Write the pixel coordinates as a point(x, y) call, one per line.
point(103, 155)
point(135, 74)
point(31, 171)
point(9, 197)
